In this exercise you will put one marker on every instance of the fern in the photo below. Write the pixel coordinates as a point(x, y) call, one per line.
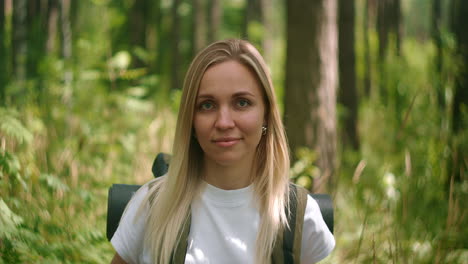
point(11, 126)
point(53, 182)
point(9, 221)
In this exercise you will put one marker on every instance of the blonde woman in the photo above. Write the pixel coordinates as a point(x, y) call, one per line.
point(226, 197)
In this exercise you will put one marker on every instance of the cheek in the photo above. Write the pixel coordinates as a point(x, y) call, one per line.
point(252, 123)
point(199, 126)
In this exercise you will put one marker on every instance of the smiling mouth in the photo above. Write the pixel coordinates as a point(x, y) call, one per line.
point(226, 142)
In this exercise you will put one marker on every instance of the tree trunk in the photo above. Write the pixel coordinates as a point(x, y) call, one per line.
point(382, 34)
point(388, 22)
point(37, 39)
point(66, 42)
point(397, 25)
point(458, 166)
point(137, 23)
point(199, 25)
point(311, 80)
point(37, 32)
point(367, 52)
point(249, 15)
point(347, 68)
point(215, 20)
point(383, 27)
point(266, 7)
point(19, 43)
point(138, 26)
point(175, 40)
point(436, 37)
point(160, 37)
point(3, 55)
point(461, 84)
point(52, 18)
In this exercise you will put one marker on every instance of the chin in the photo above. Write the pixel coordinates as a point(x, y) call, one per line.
point(226, 160)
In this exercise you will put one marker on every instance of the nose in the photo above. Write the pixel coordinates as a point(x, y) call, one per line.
point(224, 119)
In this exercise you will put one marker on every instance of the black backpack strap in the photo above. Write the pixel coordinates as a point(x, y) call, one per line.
point(288, 244)
point(180, 249)
point(288, 235)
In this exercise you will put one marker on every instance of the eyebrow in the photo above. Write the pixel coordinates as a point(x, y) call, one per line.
point(241, 93)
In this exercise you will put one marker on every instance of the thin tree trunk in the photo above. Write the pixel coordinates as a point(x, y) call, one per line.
point(37, 32)
point(458, 166)
point(266, 7)
point(19, 43)
point(397, 25)
point(199, 25)
point(175, 40)
point(436, 36)
point(382, 32)
point(66, 42)
point(367, 51)
point(66, 29)
point(311, 80)
point(37, 37)
point(159, 37)
point(383, 27)
point(249, 15)
point(461, 84)
point(52, 15)
point(215, 20)
point(347, 67)
point(137, 23)
point(3, 55)
point(138, 27)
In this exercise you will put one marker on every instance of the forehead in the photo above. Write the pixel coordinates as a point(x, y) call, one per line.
point(229, 76)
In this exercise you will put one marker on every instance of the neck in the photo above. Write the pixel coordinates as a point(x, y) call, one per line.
point(227, 177)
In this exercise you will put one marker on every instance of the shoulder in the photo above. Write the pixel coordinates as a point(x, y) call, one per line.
point(129, 236)
point(317, 240)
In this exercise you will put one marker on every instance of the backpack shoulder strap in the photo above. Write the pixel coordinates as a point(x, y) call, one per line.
point(180, 249)
point(288, 244)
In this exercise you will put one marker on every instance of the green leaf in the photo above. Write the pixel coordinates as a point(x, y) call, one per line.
point(53, 182)
point(11, 126)
point(8, 221)
point(121, 60)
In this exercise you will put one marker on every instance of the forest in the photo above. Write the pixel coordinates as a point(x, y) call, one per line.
point(374, 97)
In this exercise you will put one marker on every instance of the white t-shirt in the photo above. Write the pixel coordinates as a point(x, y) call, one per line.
point(223, 229)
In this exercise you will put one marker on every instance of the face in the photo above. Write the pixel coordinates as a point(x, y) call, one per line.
point(229, 114)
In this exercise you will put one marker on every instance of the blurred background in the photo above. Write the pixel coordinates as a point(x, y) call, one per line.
point(374, 95)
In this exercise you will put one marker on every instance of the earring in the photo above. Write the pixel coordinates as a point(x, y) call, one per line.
point(264, 130)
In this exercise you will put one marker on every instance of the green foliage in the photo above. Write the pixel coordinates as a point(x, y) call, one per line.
point(8, 220)
point(10, 126)
point(58, 158)
point(396, 201)
point(304, 171)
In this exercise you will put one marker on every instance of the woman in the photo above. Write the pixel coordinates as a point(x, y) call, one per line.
point(224, 197)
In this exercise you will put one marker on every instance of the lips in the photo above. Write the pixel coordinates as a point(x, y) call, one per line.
point(226, 141)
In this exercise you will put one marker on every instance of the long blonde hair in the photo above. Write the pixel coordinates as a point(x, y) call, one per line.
point(171, 197)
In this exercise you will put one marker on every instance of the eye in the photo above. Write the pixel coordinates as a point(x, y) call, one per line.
point(243, 103)
point(205, 106)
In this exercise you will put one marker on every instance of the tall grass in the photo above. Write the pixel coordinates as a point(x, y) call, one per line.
point(58, 161)
point(395, 201)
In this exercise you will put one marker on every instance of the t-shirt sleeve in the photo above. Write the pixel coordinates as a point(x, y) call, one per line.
point(317, 240)
point(128, 238)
